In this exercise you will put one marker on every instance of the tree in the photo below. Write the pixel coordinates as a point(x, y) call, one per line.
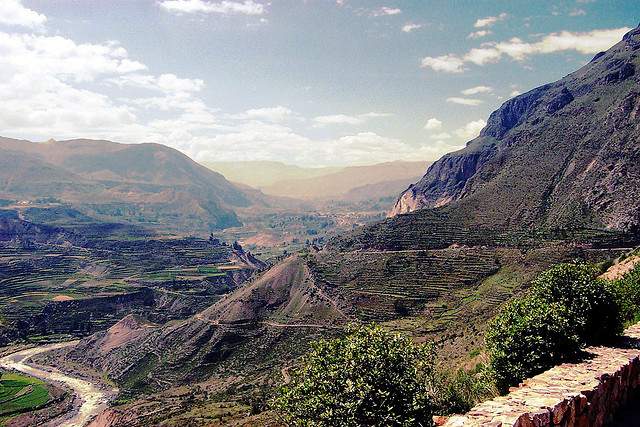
point(368, 377)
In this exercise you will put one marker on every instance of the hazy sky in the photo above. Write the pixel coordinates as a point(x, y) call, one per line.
point(315, 82)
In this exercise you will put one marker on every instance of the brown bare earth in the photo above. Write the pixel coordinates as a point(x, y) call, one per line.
point(620, 269)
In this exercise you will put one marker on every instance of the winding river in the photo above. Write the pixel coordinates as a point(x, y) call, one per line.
point(93, 399)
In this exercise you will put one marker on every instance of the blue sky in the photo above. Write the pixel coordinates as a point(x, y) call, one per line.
point(315, 82)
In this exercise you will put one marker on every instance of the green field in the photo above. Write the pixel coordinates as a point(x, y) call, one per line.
point(20, 393)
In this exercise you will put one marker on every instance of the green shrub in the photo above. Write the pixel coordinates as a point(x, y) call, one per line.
point(368, 377)
point(591, 303)
point(528, 336)
point(457, 391)
point(627, 291)
point(567, 308)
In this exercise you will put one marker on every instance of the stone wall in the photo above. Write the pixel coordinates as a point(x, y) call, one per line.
point(588, 393)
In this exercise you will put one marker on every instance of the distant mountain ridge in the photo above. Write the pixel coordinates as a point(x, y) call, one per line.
point(565, 154)
point(259, 174)
point(149, 182)
point(331, 183)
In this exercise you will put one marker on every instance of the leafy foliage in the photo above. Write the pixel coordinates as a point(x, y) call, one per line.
point(457, 391)
point(591, 304)
point(627, 292)
point(528, 336)
point(568, 307)
point(368, 377)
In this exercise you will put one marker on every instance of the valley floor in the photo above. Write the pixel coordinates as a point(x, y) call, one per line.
point(93, 399)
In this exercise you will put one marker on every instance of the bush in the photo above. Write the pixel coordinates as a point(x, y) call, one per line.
point(627, 292)
point(456, 392)
point(591, 302)
point(368, 377)
point(567, 308)
point(528, 336)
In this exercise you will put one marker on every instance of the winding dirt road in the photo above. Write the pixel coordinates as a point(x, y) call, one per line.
point(93, 399)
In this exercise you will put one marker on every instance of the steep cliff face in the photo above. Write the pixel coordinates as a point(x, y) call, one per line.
point(564, 154)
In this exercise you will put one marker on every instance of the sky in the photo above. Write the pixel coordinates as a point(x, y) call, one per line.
point(306, 82)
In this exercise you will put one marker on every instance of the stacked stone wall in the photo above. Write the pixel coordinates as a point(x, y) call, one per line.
point(585, 394)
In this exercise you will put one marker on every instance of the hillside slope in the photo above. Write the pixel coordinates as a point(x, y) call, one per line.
point(243, 332)
point(565, 154)
point(151, 183)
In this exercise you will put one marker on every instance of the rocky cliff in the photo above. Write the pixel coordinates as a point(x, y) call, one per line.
point(566, 154)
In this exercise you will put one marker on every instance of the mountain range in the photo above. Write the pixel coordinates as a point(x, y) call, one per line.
point(350, 183)
point(150, 184)
point(552, 178)
point(562, 155)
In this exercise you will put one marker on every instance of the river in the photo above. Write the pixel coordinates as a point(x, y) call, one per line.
point(93, 399)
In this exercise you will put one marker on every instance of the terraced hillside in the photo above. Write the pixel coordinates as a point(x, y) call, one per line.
point(440, 228)
point(437, 293)
point(386, 285)
point(246, 342)
point(245, 338)
point(53, 288)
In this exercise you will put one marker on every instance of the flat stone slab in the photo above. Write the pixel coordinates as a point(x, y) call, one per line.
point(588, 393)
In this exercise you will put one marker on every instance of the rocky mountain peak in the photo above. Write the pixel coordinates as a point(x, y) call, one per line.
point(563, 154)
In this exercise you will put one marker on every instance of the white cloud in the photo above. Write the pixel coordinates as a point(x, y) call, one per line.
point(12, 12)
point(445, 63)
point(64, 58)
point(257, 141)
point(386, 11)
point(375, 115)
point(46, 104)
point(479, 34)
point(465, 101)
point(476, 90)
point(226, 7)
point(588, 43)
point(168, 83)
point(481, 56)
point(583, 42)
point(409, 27)
point(44, 85)
point(272, 114)
point(338, 119)
point(433, 124)
point(471, 129)
point(344, 119)
point(489, 21)
point(53, 86)
point(441, 135)
point(514, 93)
